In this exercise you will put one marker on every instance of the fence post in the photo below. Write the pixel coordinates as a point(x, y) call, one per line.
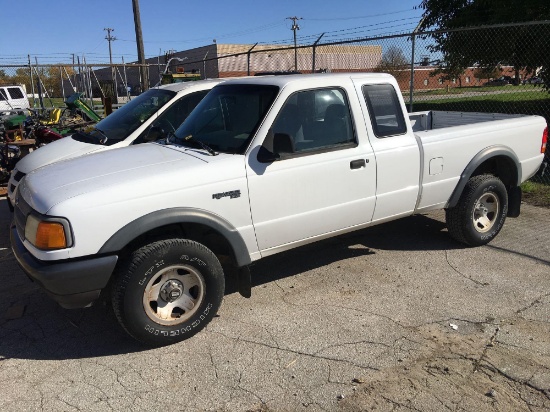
point(204, 65)
point(62, 84)
point(411, 87)
point(248, 60)
point(32, 82)
point(314, 49)
point(126, 79)
point(39, 84)
point(80, 83)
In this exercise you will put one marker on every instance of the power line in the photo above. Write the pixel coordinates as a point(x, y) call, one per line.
point(361, 17)
point(348, 31)
point(232, 34)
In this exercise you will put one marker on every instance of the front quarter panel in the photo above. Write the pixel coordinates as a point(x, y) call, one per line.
point(96, 216)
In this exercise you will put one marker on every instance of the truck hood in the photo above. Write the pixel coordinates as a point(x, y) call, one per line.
point(66, 148)
point(122, 174)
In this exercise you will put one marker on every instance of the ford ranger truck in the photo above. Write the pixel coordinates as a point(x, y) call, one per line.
point(147, 117)
point(261, 166)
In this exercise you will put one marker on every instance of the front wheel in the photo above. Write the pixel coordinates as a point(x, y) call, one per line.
point(167, 291)
point(480, 212)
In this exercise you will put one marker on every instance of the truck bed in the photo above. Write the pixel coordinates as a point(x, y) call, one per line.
point(447, 141)
point(432, 119)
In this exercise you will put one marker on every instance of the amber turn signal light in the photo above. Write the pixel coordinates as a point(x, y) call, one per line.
point(50, 235)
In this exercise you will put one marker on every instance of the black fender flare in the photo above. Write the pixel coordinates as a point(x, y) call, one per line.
point(166, 217)
point(479, 158)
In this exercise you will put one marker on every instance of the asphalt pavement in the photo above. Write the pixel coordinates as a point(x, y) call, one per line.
point(394, 317)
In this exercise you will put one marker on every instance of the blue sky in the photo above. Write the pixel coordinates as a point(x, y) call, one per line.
point(52, 30)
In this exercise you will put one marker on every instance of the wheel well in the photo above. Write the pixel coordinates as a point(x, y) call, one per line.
point(197, 232)
point(502, 167)
point(200, 233)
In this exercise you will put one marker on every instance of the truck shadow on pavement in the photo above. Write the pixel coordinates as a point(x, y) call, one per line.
point(413, 233)
point(32, 326)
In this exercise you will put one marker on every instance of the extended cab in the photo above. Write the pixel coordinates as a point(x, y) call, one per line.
point(148, 117)
point(261, 165)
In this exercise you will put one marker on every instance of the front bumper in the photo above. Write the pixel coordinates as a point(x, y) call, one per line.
point(71, 283)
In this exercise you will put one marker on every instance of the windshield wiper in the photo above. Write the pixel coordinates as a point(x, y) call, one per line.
point(191, 139)
point(105, 138)
point(167, 140)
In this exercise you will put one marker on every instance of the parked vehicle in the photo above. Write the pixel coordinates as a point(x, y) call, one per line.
point(148, 117)
point(497, 82)
point(13, 99)
point(262, 165)
point(533, 80)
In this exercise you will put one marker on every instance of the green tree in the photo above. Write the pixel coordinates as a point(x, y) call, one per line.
point(3, 77)
point(523, 47)
point(487, 73)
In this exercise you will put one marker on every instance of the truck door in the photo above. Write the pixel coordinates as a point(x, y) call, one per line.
point(396, 148)
point(325, 178)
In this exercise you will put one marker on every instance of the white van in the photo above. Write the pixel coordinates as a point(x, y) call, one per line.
point(13, 98)
point(143, 119)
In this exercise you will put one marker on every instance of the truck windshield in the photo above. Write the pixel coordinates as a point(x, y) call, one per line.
point(122, 122)
point(227, 118)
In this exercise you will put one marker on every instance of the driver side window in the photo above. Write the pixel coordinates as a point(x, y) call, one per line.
point(316, 120)
point(171, 118)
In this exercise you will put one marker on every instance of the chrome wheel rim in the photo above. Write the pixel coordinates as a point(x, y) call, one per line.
point(173, 295)
point(485, 212)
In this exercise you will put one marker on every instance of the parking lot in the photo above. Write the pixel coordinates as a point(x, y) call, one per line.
point(394, 317)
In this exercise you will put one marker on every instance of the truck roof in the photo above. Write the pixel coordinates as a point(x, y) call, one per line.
point(177, 87)
point(281, 81)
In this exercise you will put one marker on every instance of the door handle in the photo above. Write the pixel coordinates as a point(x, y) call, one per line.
point(357, 164)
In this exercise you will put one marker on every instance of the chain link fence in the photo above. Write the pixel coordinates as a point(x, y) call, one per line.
point(497, 69)
point(48, 86)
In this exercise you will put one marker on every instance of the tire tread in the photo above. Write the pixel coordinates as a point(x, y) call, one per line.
point(127, 268)
point(457, 218)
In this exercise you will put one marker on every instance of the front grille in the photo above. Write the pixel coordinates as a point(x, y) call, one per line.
point(22, 210)
point(18, 176)
point(14, 181)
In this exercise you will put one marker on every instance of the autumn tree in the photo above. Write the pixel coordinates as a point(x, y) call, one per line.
point(394, 62)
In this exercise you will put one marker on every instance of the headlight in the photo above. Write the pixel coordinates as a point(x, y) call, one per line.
point(46, 234)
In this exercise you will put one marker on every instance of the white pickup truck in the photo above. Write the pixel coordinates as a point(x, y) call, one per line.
point(145, 118)
point(262, 165)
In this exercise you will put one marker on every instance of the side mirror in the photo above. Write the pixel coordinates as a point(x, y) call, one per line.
point(273, 146)
point(155, 133)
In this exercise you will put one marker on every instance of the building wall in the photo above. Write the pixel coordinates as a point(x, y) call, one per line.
point(269, 58)
point(425, 80)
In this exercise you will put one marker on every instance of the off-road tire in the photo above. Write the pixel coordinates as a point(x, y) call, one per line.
point(153, 275)
point(480, 212)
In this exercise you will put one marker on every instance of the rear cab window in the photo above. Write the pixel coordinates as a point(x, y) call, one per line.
point(385, 111)
point(15, 93)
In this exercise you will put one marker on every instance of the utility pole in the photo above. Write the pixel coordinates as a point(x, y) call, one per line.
point(140, 50)
point(110, 39)
point(294, 28)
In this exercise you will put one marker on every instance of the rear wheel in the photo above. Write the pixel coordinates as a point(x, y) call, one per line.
point(480, 212)
point(167, 291)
